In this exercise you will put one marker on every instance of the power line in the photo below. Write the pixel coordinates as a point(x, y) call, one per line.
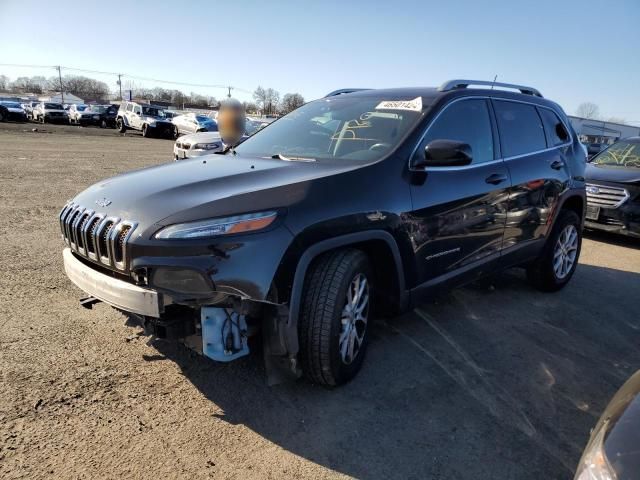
point(133, 77)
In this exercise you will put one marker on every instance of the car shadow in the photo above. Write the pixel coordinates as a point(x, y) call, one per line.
point(493, 380)
point(612, 238)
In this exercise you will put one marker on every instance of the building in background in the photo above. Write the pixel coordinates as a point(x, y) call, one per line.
point(69, 98)
point(592, 131)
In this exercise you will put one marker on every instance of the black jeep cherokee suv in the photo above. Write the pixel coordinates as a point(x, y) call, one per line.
point(362, 200)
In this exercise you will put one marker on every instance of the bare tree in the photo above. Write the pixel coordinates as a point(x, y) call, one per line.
point(4, 82)
point(260, 96)
point(290, 102)
point(588, 110)
point(271, 101)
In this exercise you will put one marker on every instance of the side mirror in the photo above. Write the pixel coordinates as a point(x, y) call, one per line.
point(445, 153)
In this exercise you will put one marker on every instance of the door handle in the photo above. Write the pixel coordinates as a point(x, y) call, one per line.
point(496, 179)
point(557, 164)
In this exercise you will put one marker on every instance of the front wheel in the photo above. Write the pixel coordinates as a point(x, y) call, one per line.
point(145, 130)
point(121, 126)
point(103, 124)
point(334, 318)
point(558, 261)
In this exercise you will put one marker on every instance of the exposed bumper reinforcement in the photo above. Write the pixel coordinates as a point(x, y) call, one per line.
point(117, 293)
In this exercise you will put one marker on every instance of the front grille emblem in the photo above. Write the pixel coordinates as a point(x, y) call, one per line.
point(105, 202)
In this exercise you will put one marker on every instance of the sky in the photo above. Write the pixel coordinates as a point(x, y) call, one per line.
point(572, 51)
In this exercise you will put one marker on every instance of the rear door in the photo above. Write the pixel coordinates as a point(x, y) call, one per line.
point(536, 162)
point(458, 213)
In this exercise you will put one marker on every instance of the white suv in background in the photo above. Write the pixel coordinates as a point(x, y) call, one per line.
point(149, 119)
point(49, 112)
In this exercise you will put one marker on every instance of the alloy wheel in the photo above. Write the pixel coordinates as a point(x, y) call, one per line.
point(564, 254)
point(354, 319)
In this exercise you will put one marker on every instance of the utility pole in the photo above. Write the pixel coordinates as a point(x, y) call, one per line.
point(61, 86)
point(229, 94)
point(120, 84)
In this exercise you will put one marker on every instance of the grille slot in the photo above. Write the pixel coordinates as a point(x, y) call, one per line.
point(96, 237)
point(606, 196)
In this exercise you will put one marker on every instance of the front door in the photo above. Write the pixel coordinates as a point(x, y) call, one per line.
point(458, 216)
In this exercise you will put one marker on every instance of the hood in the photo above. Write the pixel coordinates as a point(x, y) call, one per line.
point(201, 137)
point(612, 174)
point(54, 110)
point(151, 118)
point(206, 187)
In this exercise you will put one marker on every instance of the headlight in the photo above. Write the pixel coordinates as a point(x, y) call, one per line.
point(207, 146)
point(218, 226)
point(594, 464)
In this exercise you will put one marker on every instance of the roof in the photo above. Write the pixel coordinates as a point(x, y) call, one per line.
point(432, 95)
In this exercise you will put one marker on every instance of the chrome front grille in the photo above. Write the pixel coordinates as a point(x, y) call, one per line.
point(606, 196)
point(96, 236)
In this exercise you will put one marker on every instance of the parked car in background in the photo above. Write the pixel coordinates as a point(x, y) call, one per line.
point(12, 111)
point(148, 119)
point(612, 452)
point(595, 148)
point(197, 144)
point(75, 113)
point(28, 108)
point(361, 200)
point(193, 123)
point(613, 189)
point(170, 114)
point(252, 126)
point(107, 113)
point(49, 112)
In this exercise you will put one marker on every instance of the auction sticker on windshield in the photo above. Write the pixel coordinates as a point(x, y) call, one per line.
point(414, 105)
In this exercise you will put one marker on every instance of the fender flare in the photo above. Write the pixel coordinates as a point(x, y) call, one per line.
point(124, 120)
point(291, 328)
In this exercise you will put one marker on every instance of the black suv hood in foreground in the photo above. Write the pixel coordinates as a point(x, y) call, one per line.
point(206, 187)
point(612, 174)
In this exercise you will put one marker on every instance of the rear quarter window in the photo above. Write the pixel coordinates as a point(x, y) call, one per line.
point(520, 128)
point(556, 132)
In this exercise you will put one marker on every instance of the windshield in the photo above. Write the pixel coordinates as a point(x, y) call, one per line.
point(202, 119)
point(81, 108)
point(11, 104)
point(153, 111)
point(96, 109)
point(362, 128)
point(53, 106)
point(621, 154)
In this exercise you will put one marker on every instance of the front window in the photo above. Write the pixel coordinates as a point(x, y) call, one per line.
point(53, 106)
point(357, 128)
point(96, 109)
point(621, 154)
point(81, 108)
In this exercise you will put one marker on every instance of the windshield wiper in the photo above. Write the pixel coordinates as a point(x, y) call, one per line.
point(279, 156)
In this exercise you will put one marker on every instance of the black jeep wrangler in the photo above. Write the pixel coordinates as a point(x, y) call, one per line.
point(355, 204)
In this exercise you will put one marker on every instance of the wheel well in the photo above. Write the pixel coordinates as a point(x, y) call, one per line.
point(575, 203)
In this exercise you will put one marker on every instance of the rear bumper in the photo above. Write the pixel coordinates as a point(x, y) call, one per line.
point(120, 294)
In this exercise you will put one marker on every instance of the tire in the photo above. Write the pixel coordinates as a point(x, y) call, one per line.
point(145, 131)
point(549, 272)
point(103, 124)
point(331, 278)
point(120, 125)
point(2, 116)
point(176, 133)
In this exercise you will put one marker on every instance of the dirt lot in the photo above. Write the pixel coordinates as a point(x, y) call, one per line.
point(491, 381)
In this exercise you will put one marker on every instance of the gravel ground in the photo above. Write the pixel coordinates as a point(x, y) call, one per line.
point(494, 380)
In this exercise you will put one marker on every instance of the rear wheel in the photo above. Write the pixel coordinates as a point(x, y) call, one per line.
point(103, 124)
point(120, 125)
point(558, 261)
point(2, 116)
point(334, 321)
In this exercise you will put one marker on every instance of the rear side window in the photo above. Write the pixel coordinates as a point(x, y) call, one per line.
point(520, 128)
point(556, 132)
point(466, 121)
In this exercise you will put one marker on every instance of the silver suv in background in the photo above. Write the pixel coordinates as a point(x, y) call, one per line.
point(148, 119)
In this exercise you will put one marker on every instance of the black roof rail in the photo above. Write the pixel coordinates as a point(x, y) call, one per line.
point(342, 91)
point(455, 84)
